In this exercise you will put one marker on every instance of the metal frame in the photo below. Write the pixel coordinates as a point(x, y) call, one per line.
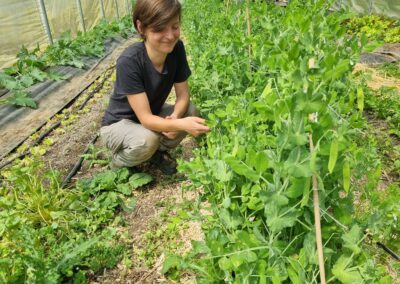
point(45, 21)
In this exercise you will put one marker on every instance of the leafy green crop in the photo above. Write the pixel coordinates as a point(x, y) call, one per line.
point(255, 167)
point(376, 28)
point(385, 103)
point(49, 234)
point(32, 66)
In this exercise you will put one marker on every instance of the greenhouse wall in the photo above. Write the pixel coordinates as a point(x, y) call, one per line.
point(21, 23)
point(389, 8)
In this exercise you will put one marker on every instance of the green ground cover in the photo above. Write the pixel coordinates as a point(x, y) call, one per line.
point(50, 234)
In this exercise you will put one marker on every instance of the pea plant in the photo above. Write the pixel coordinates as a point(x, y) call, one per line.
point(285, 117)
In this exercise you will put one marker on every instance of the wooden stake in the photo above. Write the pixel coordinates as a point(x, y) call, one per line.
point(317, 217)
point(248, 29)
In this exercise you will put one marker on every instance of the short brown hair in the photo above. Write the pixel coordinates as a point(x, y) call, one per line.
point(155, 14)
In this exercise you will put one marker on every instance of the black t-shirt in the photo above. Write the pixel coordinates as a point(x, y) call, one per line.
point(136, 74)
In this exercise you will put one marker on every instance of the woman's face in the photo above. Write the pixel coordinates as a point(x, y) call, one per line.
point(164, 40)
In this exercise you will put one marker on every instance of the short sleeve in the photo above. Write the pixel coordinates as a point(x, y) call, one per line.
point(129, 78)
point(183, 71)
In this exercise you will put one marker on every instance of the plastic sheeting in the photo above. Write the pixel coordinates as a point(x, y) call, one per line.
point(20, 22)
point(389, 8)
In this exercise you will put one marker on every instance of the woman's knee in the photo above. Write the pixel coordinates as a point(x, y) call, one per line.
point(192, 110)
point(144, 148)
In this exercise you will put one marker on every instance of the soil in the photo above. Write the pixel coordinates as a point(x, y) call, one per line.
point(380, 129)
point(377, 81)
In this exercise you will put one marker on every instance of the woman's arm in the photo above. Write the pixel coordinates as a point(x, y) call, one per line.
point(182, 99)
point(140, 105)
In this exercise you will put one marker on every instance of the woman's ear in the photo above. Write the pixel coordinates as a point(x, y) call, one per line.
point(139, 27)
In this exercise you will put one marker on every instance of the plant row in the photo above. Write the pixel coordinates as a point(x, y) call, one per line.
point(376, 28)
point(50, 234)
point(274, 85)
point(33, 66)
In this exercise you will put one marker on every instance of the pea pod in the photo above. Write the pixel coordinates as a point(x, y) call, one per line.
point(333, 155)
point(346, 176)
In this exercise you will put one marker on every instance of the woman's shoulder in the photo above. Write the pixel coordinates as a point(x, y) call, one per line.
point(134, 50)
point(179, 44)
point(132, 53)
point(179, 47)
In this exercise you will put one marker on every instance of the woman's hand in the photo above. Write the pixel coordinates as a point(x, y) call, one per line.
point(171, 134)
point(195, 125)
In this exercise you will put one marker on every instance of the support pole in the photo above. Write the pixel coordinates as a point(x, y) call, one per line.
point(103, 13)
point(317, 216)
point(128, 10)
point(45, 21)
point(80, 11)
point(248, 23)
point(116, 8)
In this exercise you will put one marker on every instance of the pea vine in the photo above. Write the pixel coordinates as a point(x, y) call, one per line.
point(256, 166)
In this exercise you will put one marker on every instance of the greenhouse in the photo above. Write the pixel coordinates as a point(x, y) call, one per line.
point(200, 141)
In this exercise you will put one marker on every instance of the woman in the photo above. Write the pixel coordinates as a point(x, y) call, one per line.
point(138, 125)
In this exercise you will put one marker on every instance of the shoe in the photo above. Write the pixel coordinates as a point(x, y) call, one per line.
point(164, 162)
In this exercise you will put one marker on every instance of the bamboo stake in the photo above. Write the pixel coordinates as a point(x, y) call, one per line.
point(248, 32)
point(317, 216)
point(248, 24)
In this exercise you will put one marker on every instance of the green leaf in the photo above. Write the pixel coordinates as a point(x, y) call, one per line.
point(338, 70)
point(297, 163)
point(26, 80)
point(352, 238)
point(333, 154)
point(56, 77)
point(296, 188)
point(224, 263)
point(139, 179)
point(242, 169)
point(231, 221)
point(222, 171)
point(267, 90)
point(124, 188)
point(122, 175)
point(279, 216)
point(170, 262)
point(261, 162)
point(38, 74)
point(294, 278)
point(104, 181)
point(20, 98)
point(237, 260)
point(129, 205)
point(344, 274)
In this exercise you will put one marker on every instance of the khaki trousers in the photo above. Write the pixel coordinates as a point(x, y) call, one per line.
point(132, 144)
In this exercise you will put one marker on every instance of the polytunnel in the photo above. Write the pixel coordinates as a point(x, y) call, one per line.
point(214, 141)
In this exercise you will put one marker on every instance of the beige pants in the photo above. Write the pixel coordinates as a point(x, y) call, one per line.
point(132, 144)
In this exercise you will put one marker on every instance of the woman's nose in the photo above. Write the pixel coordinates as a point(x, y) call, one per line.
point(170, 34)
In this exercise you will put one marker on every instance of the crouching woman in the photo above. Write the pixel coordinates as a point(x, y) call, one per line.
point(138, 125)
